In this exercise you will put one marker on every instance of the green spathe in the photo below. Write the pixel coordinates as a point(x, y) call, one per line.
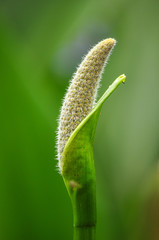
point(77, 164)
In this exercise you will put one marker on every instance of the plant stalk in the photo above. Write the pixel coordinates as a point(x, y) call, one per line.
point(84, 233)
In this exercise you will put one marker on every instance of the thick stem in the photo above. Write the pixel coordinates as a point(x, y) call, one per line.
point(84, 197)
point(84, 233)
point(82, 190)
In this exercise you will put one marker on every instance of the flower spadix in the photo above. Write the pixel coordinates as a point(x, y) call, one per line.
point(81, 95)
point(77, 124)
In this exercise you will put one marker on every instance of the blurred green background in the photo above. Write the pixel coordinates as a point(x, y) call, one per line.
point(41, 44)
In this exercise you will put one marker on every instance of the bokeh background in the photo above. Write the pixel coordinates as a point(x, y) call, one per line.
point(41, 45)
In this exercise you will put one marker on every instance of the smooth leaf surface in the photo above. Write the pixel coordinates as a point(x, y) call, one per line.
point(77, 164)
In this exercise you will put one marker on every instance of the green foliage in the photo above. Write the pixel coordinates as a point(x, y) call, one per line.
point(77, 164)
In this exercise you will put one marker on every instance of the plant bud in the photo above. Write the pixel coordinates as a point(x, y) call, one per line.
point(81, 95)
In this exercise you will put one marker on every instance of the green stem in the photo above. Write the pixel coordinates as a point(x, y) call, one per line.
point(82, 190)
point(84, 233)
point(84, 196)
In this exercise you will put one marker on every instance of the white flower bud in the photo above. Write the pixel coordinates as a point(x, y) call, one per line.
point(81, 95)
